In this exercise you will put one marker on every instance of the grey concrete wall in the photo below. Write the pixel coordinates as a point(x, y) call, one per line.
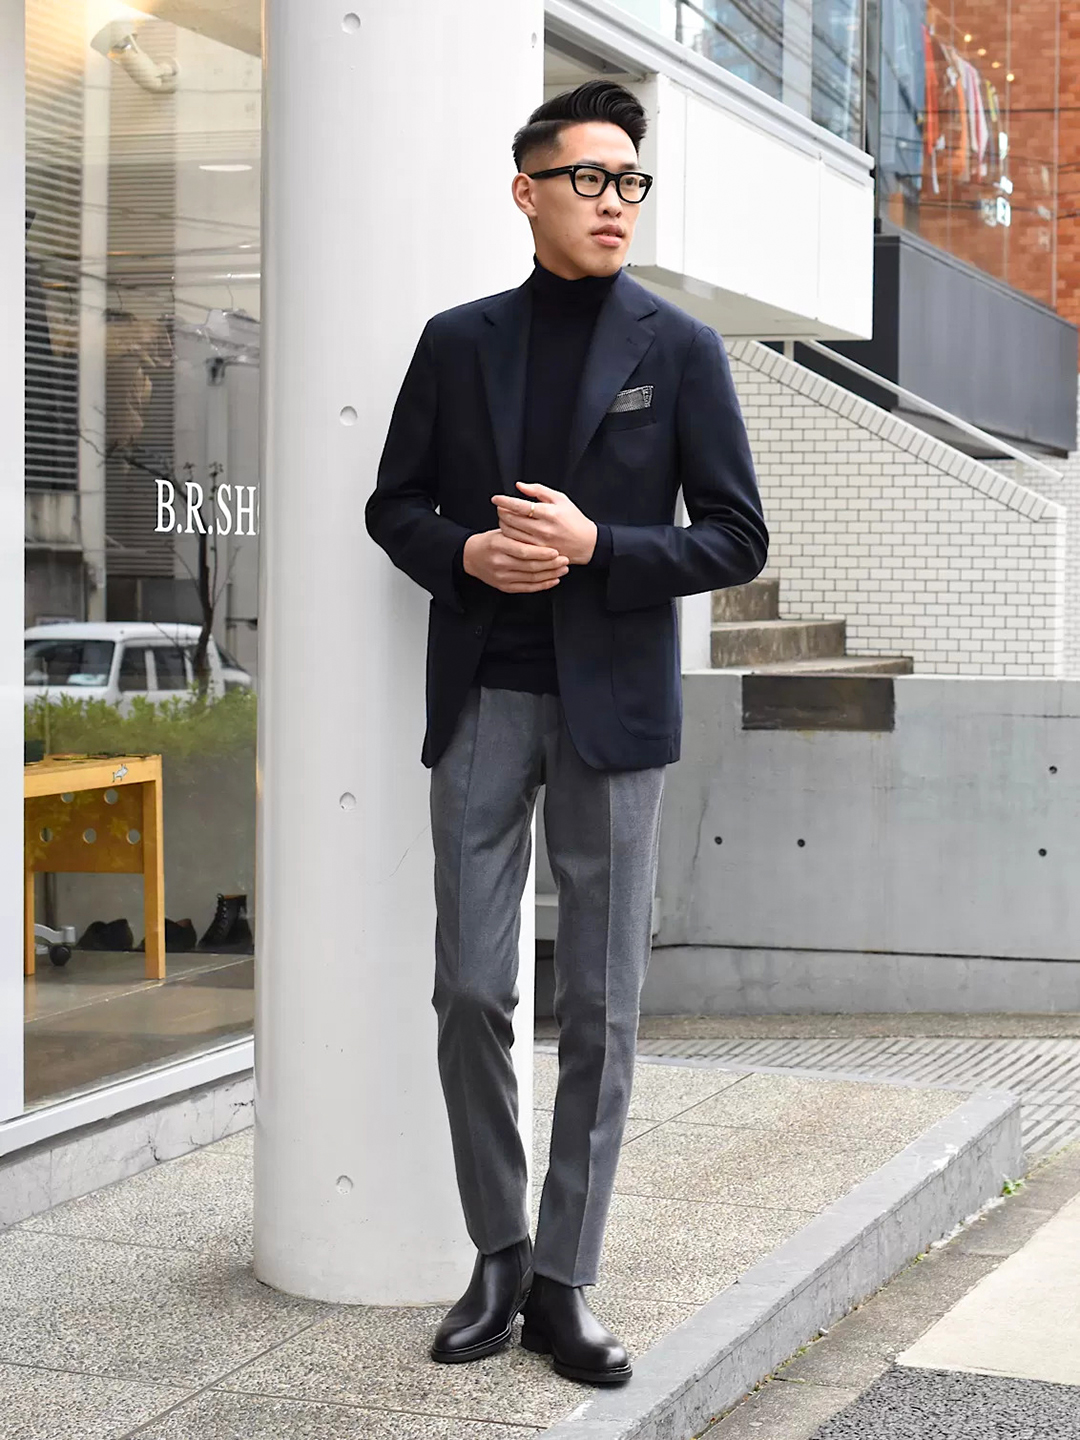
point(937, 859)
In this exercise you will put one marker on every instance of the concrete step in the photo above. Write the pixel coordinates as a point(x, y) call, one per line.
point(841, 665)
point(766, 642)
point(759, 600)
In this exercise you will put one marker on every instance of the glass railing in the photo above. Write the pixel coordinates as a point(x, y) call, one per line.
point(808, 54)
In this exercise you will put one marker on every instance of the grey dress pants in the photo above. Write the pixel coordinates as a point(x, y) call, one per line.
point(602, 830)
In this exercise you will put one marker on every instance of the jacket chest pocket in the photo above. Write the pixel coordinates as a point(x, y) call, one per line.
point(616, 421)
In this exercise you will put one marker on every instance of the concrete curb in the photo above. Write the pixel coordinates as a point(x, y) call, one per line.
point(705, 1365)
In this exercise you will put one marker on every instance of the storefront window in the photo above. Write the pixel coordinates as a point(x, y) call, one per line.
point(142, 387)
point(806, 53)
point(968, 132)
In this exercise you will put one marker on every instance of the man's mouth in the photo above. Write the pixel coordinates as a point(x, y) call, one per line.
point(609, 235)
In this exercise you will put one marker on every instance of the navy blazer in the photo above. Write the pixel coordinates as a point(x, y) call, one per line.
point(455, 439)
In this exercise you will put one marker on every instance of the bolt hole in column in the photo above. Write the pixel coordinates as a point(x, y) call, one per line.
point(133, 837)
point(110, 797)
point(1053, 769)
point(348, 415)
point(1042, 852)
point(89, 835)
point(45, 834)
point(68, 796)
point(718, 839)
point(800, 843)
point(350, 23)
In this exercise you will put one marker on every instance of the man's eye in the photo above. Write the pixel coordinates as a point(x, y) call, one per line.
point(590, 177)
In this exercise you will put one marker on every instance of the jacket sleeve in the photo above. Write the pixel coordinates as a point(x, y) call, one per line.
point(726, 542)
point(401, 514)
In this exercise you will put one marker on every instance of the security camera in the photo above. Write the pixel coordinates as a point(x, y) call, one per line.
point(118, 42)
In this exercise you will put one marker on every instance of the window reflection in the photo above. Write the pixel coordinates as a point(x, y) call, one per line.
point(142, 384)
point(969, 115)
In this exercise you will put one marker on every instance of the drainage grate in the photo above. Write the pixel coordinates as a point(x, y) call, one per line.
point(1044, 1073)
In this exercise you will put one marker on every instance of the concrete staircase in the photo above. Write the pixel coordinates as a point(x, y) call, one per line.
point(748, 633)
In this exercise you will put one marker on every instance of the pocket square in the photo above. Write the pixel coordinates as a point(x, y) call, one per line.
point(636, 399)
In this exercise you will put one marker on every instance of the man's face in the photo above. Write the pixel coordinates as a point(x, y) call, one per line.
point(576, 236)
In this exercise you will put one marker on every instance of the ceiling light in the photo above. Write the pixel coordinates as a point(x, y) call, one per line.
point(225, 169)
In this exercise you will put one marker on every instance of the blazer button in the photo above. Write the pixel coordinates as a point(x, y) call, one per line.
point(479, 630)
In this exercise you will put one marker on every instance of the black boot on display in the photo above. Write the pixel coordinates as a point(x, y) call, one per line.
point(559, 1323)
point(482, 1320)
point(229, 932)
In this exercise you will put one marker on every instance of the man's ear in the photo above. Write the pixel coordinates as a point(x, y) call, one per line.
point(522, 191)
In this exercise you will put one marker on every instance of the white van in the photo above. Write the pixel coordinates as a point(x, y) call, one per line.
point(115, 660)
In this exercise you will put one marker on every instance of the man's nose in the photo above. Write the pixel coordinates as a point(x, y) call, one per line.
point(610, 202)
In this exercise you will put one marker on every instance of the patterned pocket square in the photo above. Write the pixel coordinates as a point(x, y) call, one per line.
point(638, 399)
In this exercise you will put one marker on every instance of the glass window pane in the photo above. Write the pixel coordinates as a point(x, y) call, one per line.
point(969, 132)
point(169, 668)
point(806, 53)
point(68, 662)
point(143, 243)
point(133, 668)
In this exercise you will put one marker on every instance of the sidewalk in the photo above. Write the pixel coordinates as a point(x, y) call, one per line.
point(134, 1311)
point(980, 1338)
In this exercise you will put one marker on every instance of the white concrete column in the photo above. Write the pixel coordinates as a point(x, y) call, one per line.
point(386, 198)
point(12, 530)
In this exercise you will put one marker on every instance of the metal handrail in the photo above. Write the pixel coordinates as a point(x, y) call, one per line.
point(931, 409)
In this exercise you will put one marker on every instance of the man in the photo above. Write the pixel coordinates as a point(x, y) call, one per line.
point(529, 482)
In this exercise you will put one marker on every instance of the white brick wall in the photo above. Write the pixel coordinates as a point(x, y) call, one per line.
point(924, 551)
point(1064, 492)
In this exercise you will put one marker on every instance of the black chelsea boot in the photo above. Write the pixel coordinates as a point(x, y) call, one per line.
point(559, 1323)
point(481, 1322)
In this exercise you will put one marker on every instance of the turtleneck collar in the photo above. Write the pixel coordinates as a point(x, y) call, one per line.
point(585, 294)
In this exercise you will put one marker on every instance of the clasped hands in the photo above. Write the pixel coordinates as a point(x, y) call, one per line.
point(537, 541)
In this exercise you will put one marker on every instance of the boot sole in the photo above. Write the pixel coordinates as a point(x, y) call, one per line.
point(541, 1345)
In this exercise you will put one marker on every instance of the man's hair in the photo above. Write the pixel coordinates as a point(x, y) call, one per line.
point(594, 100)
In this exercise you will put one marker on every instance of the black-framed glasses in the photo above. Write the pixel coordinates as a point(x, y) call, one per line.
point(590, 181)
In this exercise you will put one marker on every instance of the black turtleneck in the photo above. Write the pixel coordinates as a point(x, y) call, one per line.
point(520, 650)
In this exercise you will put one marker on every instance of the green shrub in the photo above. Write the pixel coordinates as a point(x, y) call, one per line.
point(184, 727)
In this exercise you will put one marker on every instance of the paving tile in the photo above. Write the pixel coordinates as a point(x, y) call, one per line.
point(1022, 1318)
point(660, 1091)
point(703, 1162)
point(39, 1404)
point(192, 1203)
point(134, 1312)
point(847, 1107)
point(219, 1415)
point(782, 1412)
point(686, 1251)
point(378, 1356)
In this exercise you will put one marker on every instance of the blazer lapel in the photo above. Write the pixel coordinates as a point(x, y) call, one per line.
point(621, 338)
point(503, 354)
